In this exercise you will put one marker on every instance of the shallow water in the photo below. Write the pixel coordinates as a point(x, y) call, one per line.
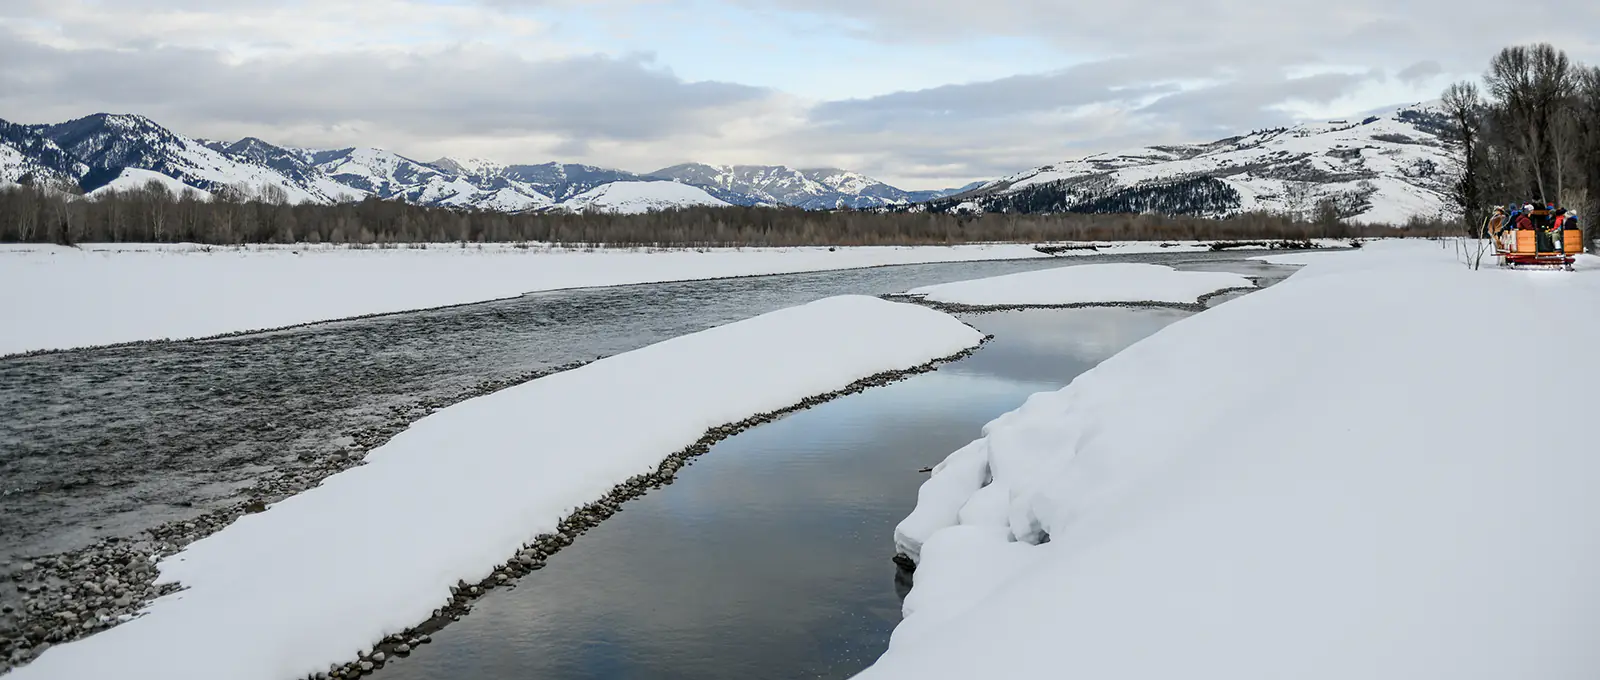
point(769, 557)
point(113, 441)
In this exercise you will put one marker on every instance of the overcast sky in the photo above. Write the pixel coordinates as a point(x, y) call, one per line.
point(919, 93)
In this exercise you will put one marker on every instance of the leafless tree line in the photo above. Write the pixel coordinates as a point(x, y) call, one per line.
point(1531, 133)
point(155, 214)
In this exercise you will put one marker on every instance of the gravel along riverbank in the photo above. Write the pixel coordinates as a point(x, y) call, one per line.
point(67, 596)
point(310, 582)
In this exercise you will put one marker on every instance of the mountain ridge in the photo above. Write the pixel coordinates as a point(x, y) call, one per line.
point(99, 150)
point(1383, 166)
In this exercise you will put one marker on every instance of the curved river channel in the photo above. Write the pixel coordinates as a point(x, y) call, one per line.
point(768, 558)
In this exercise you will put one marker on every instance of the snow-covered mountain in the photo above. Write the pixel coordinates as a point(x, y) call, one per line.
point(108, 143)
point(814, 188)
point(1379, 168)
point(115, 152)
point(1384, 167)
point(633, 197)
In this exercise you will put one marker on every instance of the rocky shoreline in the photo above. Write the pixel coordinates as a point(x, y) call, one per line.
point(76, 594)
point(67, 596)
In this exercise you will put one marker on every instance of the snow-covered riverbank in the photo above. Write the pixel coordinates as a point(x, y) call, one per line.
point(1084, 284)
point(115, 293)
point(1377, 468)
point(319, 577)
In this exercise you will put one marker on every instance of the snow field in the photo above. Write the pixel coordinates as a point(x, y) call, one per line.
point(101, 295)
point(1092, 283)
point(320, 576)
point(134, 178)
point(632, 198)
point(1335, 477)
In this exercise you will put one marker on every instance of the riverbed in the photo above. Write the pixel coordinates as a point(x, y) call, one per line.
point(115, 441)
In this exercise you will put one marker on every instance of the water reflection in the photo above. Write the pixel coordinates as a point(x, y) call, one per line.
point(769, 557)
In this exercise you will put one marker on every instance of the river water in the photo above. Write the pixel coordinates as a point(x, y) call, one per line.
point(769, 558)
point(112, 441)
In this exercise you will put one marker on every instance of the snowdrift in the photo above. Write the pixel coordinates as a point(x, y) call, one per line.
point(1330, 478)
point(316, 578)
point(1122, 282)
point(101, 295)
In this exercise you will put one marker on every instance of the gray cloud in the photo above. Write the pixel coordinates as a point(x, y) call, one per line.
point(1455, 33)
point(1229, 108)
point(987, 129)
point(448, 93)
point(1420, 71)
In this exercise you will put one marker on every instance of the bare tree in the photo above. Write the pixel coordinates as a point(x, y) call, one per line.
point(1465, 108)
point(273, 194)
point(27, 214)
point(1530, 82)
point(157, 198)
point(62, 229)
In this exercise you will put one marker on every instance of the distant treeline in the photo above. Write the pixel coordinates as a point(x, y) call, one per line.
point(155, 214)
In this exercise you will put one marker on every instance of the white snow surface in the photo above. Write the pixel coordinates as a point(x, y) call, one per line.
point(113, 293)
point(1090, 283)
point(640, 197)
point(131, 179)
point(1332, 478)
point(319, 577)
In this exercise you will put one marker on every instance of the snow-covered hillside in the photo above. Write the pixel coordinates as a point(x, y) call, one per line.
point(815, 188)
point(640, 197)
point(1381, 168)
point(26, 154)
point(131, 179)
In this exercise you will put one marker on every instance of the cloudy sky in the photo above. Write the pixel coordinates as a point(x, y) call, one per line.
point(920, 93)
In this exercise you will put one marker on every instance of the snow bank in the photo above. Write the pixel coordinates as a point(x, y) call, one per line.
point(120, 293)
point(1121, 282)
point(1331, 478)
point(373, 550)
